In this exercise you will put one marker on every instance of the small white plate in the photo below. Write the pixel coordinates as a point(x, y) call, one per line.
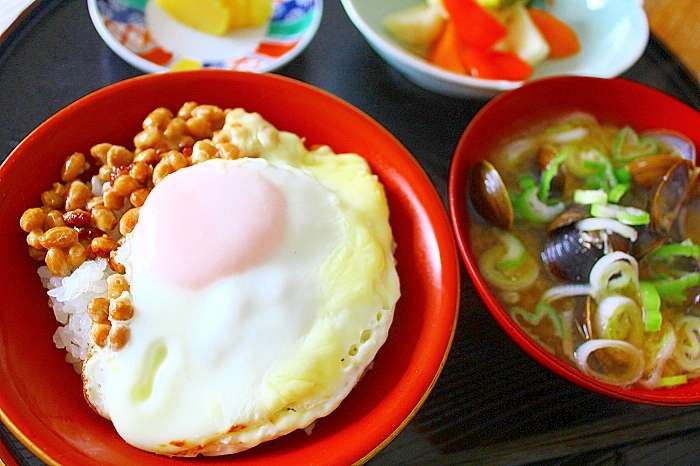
point(142, 34)
point(613, 35)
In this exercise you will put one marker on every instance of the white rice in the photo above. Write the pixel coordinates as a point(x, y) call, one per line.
point(69, 297)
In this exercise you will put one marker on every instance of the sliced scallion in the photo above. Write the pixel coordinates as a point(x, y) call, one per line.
point(629, 146)
point(613, 272)
point(583, 162)
point(566, 133)
point(674, 288)
point(623, 175)
point(526, 181)
point(668, 251)
point(542, 310)
point(687, 354)
point(673, 380)
point(548, 175)
point(651, 306)
point(604, 210)
point(625, 215)
point(532, 208)
point(515, 251)
point(632, 216)
point(513, 279)
point(590, 196)
point(627, 375)
point(605, 170)
point(617, 191)
point(619, 318)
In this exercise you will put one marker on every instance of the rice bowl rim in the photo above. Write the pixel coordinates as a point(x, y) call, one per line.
point(417, 209)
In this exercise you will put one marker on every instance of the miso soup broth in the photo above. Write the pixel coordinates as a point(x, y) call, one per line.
point(599, 260)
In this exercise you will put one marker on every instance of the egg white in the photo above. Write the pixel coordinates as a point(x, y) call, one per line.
point(261, 353)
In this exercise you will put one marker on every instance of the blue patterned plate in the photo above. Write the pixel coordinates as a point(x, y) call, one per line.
point(141, 33)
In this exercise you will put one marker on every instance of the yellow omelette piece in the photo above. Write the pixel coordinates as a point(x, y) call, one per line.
point(218, 17)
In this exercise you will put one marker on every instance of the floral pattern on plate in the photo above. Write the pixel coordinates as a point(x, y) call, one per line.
point(142, 34)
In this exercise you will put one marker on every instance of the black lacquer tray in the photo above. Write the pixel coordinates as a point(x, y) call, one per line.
point(493, 404)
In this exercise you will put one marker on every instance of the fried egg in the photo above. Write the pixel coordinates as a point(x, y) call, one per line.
point(262, 289)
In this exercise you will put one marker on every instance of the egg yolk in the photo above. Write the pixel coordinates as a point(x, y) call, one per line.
point(211, 244)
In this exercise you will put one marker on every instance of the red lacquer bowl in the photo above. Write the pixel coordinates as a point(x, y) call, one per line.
point(615, 101)
point(41, 399)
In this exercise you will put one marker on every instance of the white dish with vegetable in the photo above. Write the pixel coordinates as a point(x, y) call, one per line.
point(611, 35)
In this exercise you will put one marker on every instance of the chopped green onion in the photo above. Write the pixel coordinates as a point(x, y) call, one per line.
point(673, 380)
point(623, 175)
point(565, 291)
point(687, 353)
point(583, 162)
point(651, 306)
point(532, 208)
point(590, 196)
point(548, 175)
point(617, 191)
point(604, 169)
point(619, 318)
point(629, 373)
point(515, 251)
point(542, 310)
point(613, 272)
point(513, 279)
point(625, 215)
point(668, 251)
point(597, 166)
point(658, 349)
point(526, 181)
point(632, 216)
point(564, 135)
point(604, 210)
point(674, 288)
point(629, 146)
point(594, 182)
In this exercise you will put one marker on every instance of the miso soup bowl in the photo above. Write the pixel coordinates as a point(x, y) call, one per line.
point(41, 396)
point(616, 101)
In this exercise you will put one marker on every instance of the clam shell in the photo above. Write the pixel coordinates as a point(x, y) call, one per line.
point(682, 146)
point(489, 195)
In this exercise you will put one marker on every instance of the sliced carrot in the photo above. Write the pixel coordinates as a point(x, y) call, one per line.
point(446, 50)
point(488, 64)
point(562, 39)
point(475, 25)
